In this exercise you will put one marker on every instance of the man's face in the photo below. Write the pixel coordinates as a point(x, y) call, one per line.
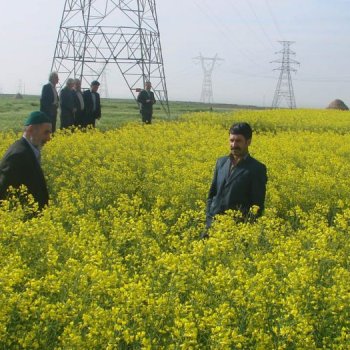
point(54, 79)
point(40, 134)
point(70, 85)
point(148, 86)
point(94, 88)
point(239, 145)
point(77, 85)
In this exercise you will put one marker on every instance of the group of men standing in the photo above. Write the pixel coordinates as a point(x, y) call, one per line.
point(77, 108)
point(81, 109)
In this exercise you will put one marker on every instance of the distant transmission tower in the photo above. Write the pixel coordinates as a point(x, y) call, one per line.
point(95, 33)
point(284, 88)
point(208, 65)
point(21, 87)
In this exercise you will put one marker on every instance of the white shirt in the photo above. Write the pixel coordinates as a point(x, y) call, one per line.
point(81, 99)
point(55, 94)
point(93, 101)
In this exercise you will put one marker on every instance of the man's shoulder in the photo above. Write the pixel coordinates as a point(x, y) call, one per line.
point(17, 149)
point(255, 163)
point(222, 160)
point(21, 145)
point(47, 87)
point(142, 93)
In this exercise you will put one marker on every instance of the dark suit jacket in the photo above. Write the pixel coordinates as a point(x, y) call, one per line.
point(143, 97)
point(19, 166)
point(240, 190)
point(91, 114)
point(67, 105)
point(47, 104)
point(79, 113)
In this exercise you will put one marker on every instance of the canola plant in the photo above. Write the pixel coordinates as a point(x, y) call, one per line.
point(115, 261)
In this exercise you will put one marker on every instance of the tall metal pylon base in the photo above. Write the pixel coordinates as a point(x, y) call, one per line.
point(89, 40)
point(284, 88)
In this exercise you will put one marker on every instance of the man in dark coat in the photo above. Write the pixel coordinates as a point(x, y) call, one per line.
point(49, 99)
point(239, 180)
point(146, 100)
point(21, 163)
point(92, 105)
point(67, 105)
point(79, 103)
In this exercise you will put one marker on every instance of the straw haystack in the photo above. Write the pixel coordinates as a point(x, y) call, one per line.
point(338, 104)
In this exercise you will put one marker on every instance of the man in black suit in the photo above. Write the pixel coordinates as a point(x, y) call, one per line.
point(92, 105)
point(67, 105)
point(79, 103)
point(49, 99)
point(239, 180)
point(146, 100)
point(21, 163)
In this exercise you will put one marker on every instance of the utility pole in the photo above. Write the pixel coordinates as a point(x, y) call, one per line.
point(284, 88)
point(89, 40)
point(208, 65)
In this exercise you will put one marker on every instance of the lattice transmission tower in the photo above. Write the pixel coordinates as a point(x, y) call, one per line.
point(104, 84)
point(284, 88)
point(208, 65)
point(125, 33)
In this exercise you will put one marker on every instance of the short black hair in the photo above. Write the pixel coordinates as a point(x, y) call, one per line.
point(241, 129)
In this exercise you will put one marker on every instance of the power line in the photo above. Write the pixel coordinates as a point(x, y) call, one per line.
point(259, 23)
point(224, 29)
point(274, 21)
point(324, 80)
point(250, 28)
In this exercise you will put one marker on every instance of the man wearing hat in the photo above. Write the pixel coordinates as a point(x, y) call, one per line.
point(92, 105)
point(21, 163)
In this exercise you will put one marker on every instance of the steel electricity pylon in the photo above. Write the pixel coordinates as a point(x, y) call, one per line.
point(104, 84)
point(284, 88)
point(208, 64)
point(123, 33)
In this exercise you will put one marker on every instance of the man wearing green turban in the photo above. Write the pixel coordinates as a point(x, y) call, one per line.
point(21, 163)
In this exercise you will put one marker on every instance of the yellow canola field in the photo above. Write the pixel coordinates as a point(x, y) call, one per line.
point(116, 261)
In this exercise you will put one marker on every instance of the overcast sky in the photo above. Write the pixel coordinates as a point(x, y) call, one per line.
point(243, 33)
